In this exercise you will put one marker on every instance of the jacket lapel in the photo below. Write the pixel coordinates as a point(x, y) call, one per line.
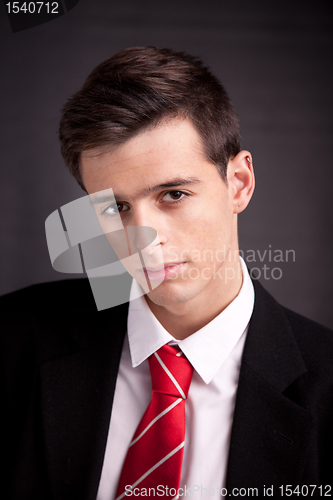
point(270, 433)
point(77, 394)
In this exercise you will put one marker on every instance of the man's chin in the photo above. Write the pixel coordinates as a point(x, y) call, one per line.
point(167, 296)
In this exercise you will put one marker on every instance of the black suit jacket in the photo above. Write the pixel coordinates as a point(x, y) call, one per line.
point(61, 359)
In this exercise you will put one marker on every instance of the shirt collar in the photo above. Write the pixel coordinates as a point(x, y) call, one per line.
point(208, 348)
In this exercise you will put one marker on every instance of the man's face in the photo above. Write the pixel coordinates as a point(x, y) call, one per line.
point(161, 179)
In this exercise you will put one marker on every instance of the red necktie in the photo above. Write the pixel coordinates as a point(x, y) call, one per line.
point(155, 454)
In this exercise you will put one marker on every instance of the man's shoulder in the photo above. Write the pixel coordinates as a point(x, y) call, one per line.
point(314, 341)
point(65, 295)
point(306, 325)
point(51, 319)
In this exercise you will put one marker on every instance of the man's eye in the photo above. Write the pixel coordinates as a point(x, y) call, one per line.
point(115, 208)
point(174, 195)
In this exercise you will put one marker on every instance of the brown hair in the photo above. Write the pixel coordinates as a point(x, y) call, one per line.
point(136, 89)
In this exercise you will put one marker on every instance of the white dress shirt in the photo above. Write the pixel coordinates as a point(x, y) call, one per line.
point(215, 351)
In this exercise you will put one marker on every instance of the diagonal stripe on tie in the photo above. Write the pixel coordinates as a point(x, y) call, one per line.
point(170, 375)
point(164, 412)
point(146, 474)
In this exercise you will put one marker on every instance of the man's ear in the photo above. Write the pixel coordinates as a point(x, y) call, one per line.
point(241, 182)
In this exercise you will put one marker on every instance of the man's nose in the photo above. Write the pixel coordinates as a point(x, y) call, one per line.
point(144, 239)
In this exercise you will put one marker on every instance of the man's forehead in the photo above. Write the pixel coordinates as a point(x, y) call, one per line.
point(167, 156)
point(170, 136)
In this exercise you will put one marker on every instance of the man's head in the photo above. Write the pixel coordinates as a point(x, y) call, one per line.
point(138, 88)
point(158, 129)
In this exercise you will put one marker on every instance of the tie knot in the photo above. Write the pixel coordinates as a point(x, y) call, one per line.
point(171, 373)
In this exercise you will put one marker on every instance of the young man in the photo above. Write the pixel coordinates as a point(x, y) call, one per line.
point(242, 387)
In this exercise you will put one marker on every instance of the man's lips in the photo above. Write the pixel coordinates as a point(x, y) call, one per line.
point(163, 272)
point(161, 266)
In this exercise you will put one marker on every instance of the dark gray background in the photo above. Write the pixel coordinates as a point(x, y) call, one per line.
point(274, 59)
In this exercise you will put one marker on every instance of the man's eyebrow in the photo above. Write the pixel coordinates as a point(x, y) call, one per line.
point(179, 181)
point(96, 200)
